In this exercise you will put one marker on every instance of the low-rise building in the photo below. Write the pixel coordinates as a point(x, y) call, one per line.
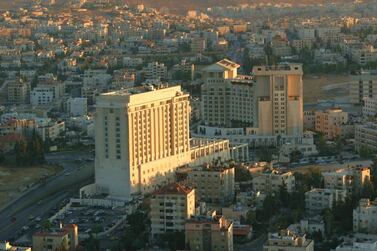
point(273, 180)
point(63, 238)
point(318, 199)
point(213, 184)
point(209, 233)
point(171, 205)
point(365, 217)
point(330, 122)
point(288, 241)
point(350, 179)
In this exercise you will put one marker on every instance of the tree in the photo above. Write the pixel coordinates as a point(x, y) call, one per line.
point(295, 156)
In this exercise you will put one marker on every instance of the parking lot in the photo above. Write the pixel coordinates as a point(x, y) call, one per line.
point(91, 219)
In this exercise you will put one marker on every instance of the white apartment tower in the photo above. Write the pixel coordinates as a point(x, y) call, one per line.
point(142, 136)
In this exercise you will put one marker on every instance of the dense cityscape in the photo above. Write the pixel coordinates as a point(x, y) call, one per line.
point(193, 125)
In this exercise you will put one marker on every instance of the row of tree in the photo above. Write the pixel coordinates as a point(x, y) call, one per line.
point(30, 151)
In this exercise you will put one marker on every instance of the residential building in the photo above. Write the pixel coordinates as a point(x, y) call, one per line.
point(214, 184)
point(309, 120)
point(309, 226)
point(349, 179)
point(171, 205)
point(363, 85)
point(209, 233)
point(18, 92)
point(365, 217)
point(273, 180)
point(366, 136)
point(288, 241)
point(41, 96)
point(63, 238)
point(307, 148)
point(156, 70)
point(77, 106)
point(369, 107)
point(317, 199)
point(330, 122)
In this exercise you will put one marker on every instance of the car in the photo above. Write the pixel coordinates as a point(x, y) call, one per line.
point(38, 219)
point(25, 228)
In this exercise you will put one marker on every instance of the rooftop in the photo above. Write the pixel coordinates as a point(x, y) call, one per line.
point(174, 188)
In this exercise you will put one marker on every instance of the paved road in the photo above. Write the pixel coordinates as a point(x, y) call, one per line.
point(41, 199)
point(326, 167)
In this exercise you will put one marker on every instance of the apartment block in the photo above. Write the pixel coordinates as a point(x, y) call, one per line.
point(366, 136)
point(209, 233)
point(363, 85)
point(156, 70)
point(318, 199)
point(273, 180)
point(288, 241)
point(77, 106)
point(214, 184)
point(350, 179)
point(18, 92)
point(330, 122)
point(365, 217)
point(369, 107)
point(171, 206)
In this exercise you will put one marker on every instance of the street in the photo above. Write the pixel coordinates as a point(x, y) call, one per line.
point(38, 201)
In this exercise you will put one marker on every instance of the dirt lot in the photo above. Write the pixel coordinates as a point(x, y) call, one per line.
point(313, 85)
point(14, 180)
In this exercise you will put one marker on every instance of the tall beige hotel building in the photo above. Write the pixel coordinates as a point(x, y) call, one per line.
point(255, 109)
point(142, 136)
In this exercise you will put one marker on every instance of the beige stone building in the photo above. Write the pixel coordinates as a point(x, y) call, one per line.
point(65, 238)
point(263, 109)
point(288, 241)
point(142, 138)
point(212, 233)
point(171, 206)
point(214, 184)
point(350, 179)
point(318, 199)
point(272, 181)
point(365, 217)
point(330, 122)
point(280, 99)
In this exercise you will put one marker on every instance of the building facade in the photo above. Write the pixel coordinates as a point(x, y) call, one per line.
point(171, 205)
point(365, 217)
point(318, 199)
point(212, 233)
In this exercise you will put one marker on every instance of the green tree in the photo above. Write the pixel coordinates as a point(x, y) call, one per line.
point(295, 156)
